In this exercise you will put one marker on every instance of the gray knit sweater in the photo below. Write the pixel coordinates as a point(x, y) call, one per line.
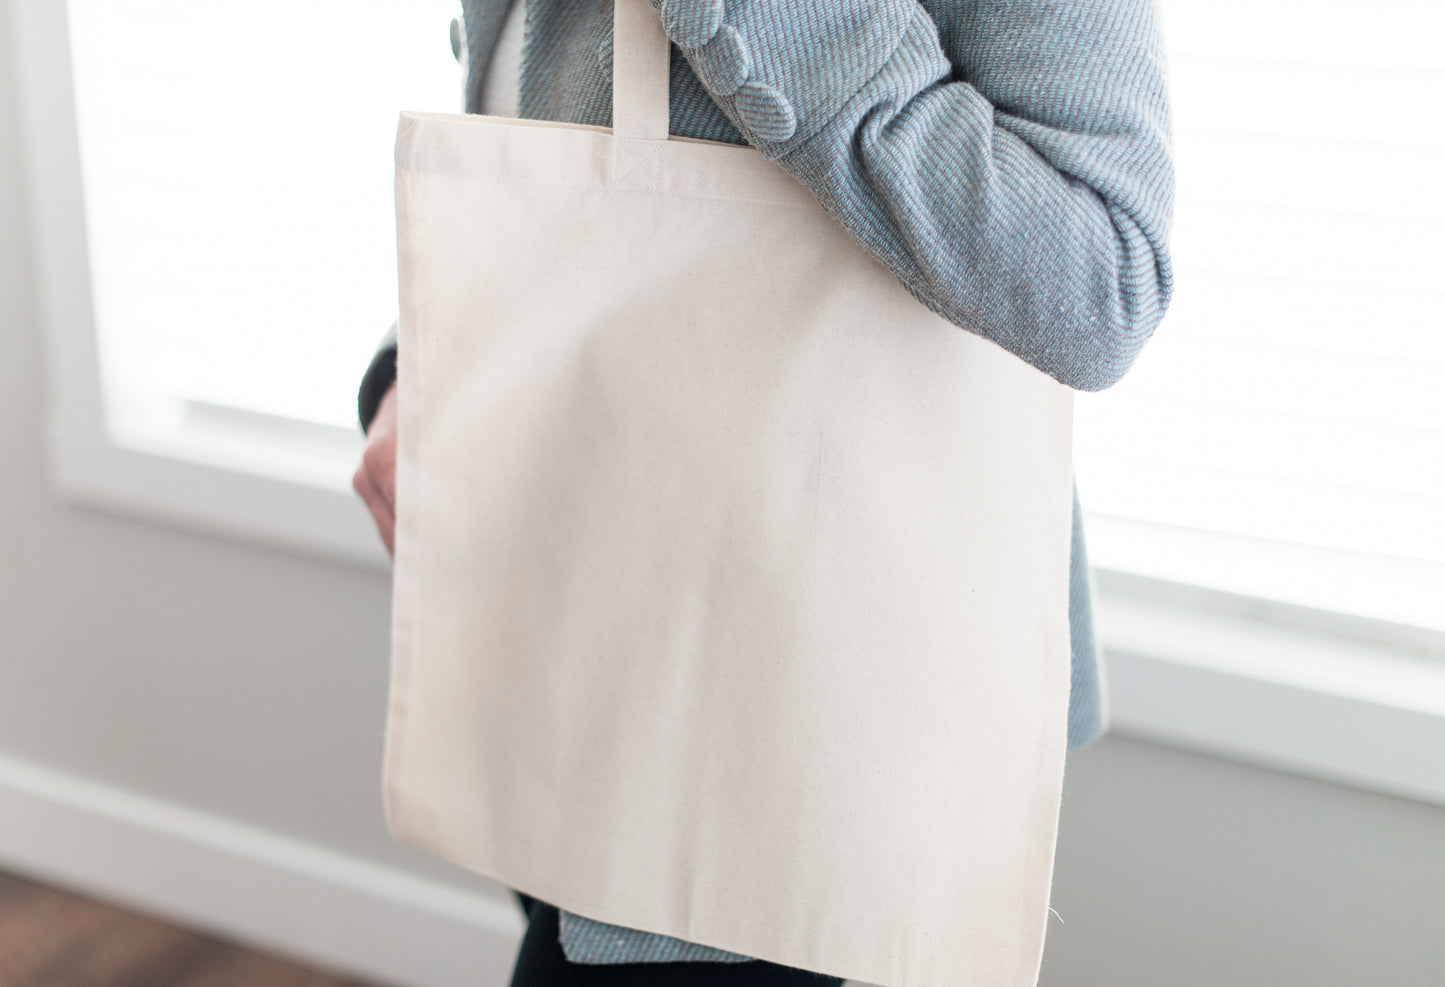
point(1007, 160)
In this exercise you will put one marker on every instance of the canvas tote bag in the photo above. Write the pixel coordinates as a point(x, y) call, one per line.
point(730, 589)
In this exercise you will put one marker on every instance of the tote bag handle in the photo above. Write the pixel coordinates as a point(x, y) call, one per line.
point(640, 67)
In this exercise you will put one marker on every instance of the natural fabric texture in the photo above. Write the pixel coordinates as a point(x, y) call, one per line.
point(844, 524)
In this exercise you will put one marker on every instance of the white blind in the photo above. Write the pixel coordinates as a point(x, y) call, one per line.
point(1283, 434)
point(237, 168)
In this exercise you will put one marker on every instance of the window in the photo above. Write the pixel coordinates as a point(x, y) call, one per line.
point(1283, 435)
point(237, 173)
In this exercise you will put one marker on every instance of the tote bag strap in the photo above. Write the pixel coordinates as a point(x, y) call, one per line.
point(640, 66)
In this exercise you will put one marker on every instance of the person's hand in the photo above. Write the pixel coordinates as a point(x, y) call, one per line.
point(375, 478)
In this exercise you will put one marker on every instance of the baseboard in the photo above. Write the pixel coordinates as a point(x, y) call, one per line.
point(251, 885)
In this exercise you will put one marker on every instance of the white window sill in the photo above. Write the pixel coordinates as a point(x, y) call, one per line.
point(1311, 703)
point(235, 478)
point(1315, 702)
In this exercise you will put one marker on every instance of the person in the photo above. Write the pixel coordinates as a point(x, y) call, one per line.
point(1009, 162)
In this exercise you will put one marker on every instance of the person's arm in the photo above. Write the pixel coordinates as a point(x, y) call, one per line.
point(1015, 174)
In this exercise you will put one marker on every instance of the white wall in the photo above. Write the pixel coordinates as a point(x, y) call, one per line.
point(1179, 870)
point(250, 684)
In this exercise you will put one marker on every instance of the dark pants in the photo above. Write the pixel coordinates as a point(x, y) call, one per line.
point(541, 963)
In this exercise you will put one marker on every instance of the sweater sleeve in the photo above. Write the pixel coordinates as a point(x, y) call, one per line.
point(1015, 174)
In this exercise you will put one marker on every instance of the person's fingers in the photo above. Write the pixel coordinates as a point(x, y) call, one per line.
point(379, 458)
point(375, 479)
point(366, 485)
point(382, 511)
point(380, 453)
point(388, 535)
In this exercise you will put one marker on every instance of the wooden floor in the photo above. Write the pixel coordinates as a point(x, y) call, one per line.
point(50, 938)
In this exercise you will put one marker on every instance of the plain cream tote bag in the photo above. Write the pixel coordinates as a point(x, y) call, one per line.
point(730, 594)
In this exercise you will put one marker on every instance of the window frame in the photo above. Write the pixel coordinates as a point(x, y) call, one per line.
point(247, 490)
point(1303, 695)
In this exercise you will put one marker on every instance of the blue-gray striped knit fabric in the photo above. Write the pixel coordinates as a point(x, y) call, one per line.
point(1008, 160)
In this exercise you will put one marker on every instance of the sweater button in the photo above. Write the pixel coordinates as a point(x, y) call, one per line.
point(692, 23)
point(725, 64)
point(766, 112)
